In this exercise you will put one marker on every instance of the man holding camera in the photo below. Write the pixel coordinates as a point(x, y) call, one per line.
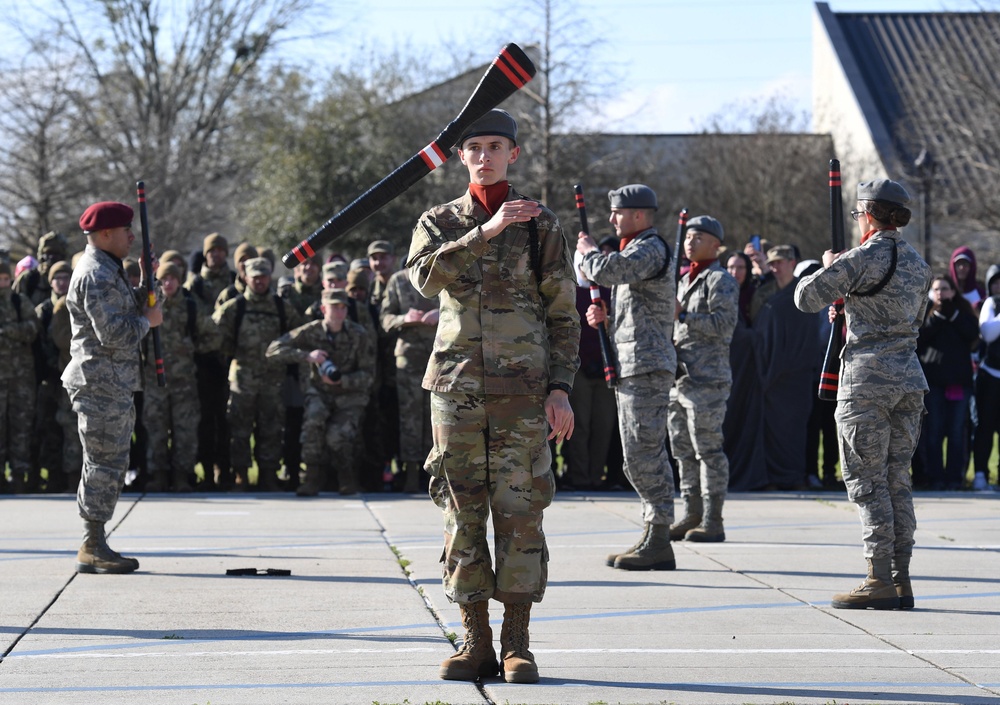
point(341, 357)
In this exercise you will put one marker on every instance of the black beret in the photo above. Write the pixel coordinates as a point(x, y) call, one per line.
point(495, 122)
point(883, 190)
point(104, 216)
point(707, 224)
point(633, 196)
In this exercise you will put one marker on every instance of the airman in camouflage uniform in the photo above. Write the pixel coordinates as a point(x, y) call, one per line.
point(171, 413)
point(105, 370)
point(254, 381)
point(333, 404)
point(58, 447)
point(213, 390)
point(707, 308)
point(414, 319)
point(641, 323)
point(508, 328)
point(884, 284)
point(18, 328)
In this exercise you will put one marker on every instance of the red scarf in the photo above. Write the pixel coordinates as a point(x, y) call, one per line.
point(626, 239)
point(490, 197)
point(867, 235)
point(699, 267)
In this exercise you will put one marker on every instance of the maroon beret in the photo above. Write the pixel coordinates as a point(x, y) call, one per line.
point(105, 215)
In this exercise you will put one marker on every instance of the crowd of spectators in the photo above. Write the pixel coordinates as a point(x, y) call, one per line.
point(778, 434)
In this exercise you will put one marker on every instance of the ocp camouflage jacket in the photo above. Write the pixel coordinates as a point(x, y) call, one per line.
point(508, 325)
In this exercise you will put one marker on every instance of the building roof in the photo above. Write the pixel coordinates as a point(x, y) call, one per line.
point(907, 71)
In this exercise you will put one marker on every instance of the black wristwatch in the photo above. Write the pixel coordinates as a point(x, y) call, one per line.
point(681, 316)
point(561, 386)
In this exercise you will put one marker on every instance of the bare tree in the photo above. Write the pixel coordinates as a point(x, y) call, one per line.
point(758, 172)
point(569, 85)
point(954, 94)
point(154, 92)
point(40, 182)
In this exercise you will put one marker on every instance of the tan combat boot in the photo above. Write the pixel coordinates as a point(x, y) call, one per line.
point(877, 592)
point(901, 580)
point(710, 530)
point(518, 663)
point(612, 557)
point(95, 556)
point(692, 517)
point(312, 481)
point(476, 658)
point(654, 553)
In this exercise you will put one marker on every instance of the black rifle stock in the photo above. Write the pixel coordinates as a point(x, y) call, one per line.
point(510, 70)
point(607, 352)
point(829, 379)
point(149, 276)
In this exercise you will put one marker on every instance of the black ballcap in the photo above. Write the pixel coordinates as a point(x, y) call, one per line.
point(707, 224)
point(495, 122)
point(633, 196)
point(883, 190)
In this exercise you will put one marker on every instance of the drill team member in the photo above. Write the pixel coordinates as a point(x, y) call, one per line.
point(642, 315)
point(880, 398)
point(104, 371)
point(500, 375)
point(708, 300)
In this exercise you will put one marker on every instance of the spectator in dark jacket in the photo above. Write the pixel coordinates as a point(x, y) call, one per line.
point(947, 337)
point(962, 269)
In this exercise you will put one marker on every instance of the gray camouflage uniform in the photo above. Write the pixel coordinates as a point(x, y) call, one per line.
point(704, 377)
point(502, 337)
point(104, 371)
point(881, 390)
point(641, 324)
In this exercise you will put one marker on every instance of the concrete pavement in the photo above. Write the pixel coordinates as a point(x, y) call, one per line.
point(362, 617)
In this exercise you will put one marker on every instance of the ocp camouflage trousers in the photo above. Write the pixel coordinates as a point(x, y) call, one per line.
point(490, 454)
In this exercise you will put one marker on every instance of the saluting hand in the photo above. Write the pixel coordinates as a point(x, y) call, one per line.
point(520, 211)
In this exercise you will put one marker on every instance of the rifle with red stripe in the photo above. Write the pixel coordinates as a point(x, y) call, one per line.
point(510, 70)
point(149, 276)
point(607, 352)
point(829, 379)
point(682, 220)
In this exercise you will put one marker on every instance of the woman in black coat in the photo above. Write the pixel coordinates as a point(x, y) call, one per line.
point(947, 337)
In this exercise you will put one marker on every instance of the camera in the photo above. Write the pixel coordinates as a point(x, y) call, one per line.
point(330, 371)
